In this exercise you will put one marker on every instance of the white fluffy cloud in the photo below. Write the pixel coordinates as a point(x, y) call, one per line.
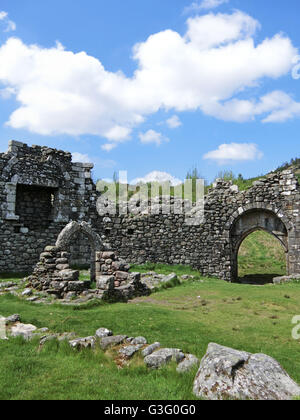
point(157, 176)
point(234, 152)
point(6, 93)
point(61, 92)
point(152, 136)
point(9, 24)
point(212, 4)
point(174, 122)
point(197, 6)
point(79, 157)
point(277, 106)
point(108, 147)
point(84, 158)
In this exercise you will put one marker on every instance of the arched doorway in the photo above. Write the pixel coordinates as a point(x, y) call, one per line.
point(255, 219)
point(261, 257)
point(75, 229)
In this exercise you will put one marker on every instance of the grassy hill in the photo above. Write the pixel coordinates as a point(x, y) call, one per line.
point(245, 184)
point(261, 253)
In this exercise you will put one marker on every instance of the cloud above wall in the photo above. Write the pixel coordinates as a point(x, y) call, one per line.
point(84, 158)
point(234, 152)
point(157, 176)
point(80, 157)
point(207, 69)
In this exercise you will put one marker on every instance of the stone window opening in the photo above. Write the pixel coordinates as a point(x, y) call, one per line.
point(35, 206)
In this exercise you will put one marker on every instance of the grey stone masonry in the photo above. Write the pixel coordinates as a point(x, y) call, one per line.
point(53, 274)
point(115, 281)
point(42, 191)
point(271, 204)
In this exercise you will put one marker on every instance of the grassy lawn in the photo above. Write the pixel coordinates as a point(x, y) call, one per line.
point(189, 316)
point(251, 318)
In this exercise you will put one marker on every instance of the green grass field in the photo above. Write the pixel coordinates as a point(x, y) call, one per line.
point(262, 254)
point(189, 316)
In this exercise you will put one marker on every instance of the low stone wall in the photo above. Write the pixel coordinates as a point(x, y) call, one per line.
point(54, 276)
point(114, 279)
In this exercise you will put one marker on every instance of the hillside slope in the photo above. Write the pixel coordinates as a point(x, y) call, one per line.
point(261, 253)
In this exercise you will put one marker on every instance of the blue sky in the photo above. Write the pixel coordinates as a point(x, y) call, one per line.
point(161, 85)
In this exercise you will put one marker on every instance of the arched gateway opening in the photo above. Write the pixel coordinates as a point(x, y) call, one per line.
point(250, 221)
point(75, 229)
point(261, 257)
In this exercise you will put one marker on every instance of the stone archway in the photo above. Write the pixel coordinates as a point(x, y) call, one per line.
point(251, 220)
point(66, 235)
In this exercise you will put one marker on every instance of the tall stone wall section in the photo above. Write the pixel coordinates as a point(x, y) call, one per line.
point(272, 204)
point(25, 229)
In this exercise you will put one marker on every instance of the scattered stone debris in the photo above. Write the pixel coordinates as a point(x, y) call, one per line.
point(139, 340)
point(154, 281)
point(150, 349)
point(114, 340)
point(7, 285)
point(24, 330)
point(189, 362)
point(129, 351)
point(226, 373)
point(286, 279)
point(33, 299)
point(187, 277)
point(59, 337)
point(47, 288)
point(27, 292)
point(162, 357)
point(12, 319)
point(80, 343)
point(103, 332)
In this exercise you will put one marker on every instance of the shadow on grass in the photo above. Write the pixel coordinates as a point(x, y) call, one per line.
point(15, 276)
point(257, 279)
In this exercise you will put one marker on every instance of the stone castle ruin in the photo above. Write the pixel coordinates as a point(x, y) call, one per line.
point(49, 219)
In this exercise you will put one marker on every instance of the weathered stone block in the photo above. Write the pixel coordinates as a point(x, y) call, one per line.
point(105, 282)
point(69, 275)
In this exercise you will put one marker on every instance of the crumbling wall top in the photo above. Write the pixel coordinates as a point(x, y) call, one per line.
point(20, 150)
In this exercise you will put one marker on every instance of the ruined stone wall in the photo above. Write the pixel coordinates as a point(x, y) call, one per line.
point(271, 204)
point(212, 247)
point(41, 190)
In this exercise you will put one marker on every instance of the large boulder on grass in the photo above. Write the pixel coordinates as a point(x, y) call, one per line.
point(226, 373)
